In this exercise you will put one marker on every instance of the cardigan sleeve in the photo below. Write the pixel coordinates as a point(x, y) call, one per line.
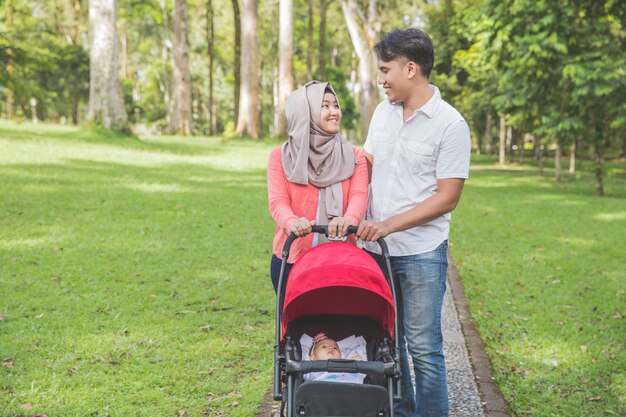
point(357, 194)
point(278, 194)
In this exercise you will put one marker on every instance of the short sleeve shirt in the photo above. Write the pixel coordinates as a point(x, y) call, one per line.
point(409, 158)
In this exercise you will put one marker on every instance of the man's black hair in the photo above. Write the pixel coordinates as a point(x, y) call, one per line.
point(411, 44)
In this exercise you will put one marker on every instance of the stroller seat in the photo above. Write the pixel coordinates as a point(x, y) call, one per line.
point(330, 399)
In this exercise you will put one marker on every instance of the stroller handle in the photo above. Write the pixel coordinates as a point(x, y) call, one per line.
point(324, 229)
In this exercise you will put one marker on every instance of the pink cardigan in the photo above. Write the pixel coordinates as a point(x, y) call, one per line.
point(289, 201)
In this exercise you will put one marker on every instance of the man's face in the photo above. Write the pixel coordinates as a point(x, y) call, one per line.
point(393, 77)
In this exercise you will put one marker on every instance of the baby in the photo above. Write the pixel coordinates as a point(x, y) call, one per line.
point(324, 348)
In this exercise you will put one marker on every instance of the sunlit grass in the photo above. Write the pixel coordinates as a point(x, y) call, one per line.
point(134, 275)
point(543, 267)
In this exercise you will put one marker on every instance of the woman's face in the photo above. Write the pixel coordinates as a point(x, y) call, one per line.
point(331, 114)
point(326, 349)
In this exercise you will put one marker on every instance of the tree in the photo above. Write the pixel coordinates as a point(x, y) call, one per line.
point(247, 122)
point(285, 64)
point(362, 29)
point(10, 70)
point(210, 36)
point(180, 121)
point(106, 105)
point(237, 55)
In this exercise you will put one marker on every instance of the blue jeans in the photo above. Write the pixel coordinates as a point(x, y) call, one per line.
point(420, 282)
point(275, 271)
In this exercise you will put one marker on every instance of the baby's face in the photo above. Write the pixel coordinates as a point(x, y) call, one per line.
point(326, 349)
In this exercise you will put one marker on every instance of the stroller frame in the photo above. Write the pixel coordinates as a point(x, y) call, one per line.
point(284, 368)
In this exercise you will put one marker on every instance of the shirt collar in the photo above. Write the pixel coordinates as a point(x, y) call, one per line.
point(429, 109)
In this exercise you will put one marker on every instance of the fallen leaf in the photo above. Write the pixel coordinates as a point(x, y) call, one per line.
point(38, 316)
point(54, 278)
point(153, 296)
point(1, 317)
point(598, 398)
point(7, 363)
point(517, 370)
point(584, 380)
point(617, 315)
point(181, 413)
point(583, 348)
point(26, 406)
point(234, 404)
point(608, 354)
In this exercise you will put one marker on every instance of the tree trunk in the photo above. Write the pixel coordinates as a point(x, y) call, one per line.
point(557, 161)
point(210, 36)
point(75, 108)
point(572, 157)
point(124, 53)
point(509, 142)
point(311, 47)
point(285, 64)
point(248, 113)
point(488, 136)
point(237, 47)
point(321, 70)
point(181, 119)
point(164, 82)
point(74, 7)
point(363, 35)
point(539, 155)
point(502, 155)
point(599, 145)
point(10, 97)
point(106, 105)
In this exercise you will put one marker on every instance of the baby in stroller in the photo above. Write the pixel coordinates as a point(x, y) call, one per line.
point(324, 348)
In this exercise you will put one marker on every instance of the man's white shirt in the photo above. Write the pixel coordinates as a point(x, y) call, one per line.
point(409, 158)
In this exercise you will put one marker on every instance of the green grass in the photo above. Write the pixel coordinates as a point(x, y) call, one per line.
point(544, 268)
point(134, 278)
point(134, 275)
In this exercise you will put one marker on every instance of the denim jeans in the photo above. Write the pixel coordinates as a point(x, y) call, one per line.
point(420, 282)
point(275, 270)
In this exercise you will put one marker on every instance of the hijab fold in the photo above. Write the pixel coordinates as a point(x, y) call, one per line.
point(311, 155)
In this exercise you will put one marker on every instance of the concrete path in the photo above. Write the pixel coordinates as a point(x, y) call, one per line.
point(471, 389)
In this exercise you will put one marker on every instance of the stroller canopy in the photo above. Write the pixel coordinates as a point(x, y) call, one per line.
point(338, 278)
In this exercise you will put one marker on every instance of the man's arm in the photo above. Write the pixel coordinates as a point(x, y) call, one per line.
point(447, 197)
point(370, 162)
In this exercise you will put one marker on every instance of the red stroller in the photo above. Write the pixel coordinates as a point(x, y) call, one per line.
point(339, 289)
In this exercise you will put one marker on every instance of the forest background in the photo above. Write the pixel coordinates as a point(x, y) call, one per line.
point(533, 78)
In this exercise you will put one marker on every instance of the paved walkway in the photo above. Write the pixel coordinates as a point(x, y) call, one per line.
point(471, 390)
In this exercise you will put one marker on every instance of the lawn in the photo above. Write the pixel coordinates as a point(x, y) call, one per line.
point(543, 266)
point(134, 277)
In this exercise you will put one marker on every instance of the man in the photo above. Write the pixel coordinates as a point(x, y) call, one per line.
point(419, 149)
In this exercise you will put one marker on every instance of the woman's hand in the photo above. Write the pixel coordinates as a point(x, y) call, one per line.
point(338, 226)
point(302, 227)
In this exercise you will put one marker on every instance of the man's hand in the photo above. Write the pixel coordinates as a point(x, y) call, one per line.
point(372, 231)
point(302, 227)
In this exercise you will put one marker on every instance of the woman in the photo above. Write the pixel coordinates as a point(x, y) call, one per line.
point(315, 177)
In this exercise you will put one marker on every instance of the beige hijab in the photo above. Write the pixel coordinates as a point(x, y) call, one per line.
point(311, 155)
